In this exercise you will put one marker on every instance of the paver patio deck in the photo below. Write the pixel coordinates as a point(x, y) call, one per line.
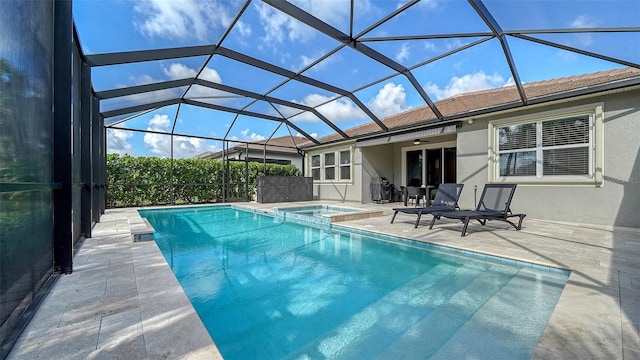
point(122, 300)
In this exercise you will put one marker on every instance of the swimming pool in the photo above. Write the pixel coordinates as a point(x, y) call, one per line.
point(268, 289)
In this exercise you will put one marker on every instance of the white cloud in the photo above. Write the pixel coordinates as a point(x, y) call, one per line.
point(250, 137)
point(389, 100)
point(580, 22)
point(340, 110)
point(443, 46)
point(182, 19)
point(175, 71)
point(180, 71)
point(243, 28)
point(429, 4)
point(313, 135)
point(141, 80)
point(277, 26)
point(336, 110)
point(466, 83)
point(144, 98)
point(403, 53)
point(160, 144)
point(159, 123)
point(118, 142)
point(307, 60)
point(314, 99)
point(509, 81)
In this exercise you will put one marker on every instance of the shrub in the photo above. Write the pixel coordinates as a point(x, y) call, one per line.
point(144, 181)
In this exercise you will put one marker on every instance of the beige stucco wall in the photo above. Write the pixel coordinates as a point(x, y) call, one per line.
point(338, 190)
point(615, 203)
point(377, 161)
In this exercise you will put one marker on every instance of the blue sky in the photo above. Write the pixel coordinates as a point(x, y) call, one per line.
point(268, 35)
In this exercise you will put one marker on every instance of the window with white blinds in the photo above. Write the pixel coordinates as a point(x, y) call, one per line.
point(560, 146)
point(555, 149)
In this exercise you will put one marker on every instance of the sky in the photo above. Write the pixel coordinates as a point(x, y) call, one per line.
point(269, 35)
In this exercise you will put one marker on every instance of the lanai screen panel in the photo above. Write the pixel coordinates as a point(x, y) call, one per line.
point(313, 52)
point(26, 155)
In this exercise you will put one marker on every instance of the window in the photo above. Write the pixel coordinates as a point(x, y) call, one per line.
point(345, 165)
point(331, 166)
point(560, 148)
point(315, 167)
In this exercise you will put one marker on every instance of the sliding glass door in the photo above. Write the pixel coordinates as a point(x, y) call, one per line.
point(414, 168)
point(430, 166)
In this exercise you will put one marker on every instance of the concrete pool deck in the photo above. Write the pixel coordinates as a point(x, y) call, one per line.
point(122, 300)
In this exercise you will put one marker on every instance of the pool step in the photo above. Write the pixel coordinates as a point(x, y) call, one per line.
point(388, 328)
point(141, 231)
point(455, 315)
point(500, 329)
point(348, 337)
point(396, 335)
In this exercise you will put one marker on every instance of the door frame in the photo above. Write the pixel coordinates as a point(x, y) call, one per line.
point(425, 146)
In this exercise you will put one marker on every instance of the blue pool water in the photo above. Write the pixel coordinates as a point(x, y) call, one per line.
point(316, 214)
point(270, 290)
point(314, 210)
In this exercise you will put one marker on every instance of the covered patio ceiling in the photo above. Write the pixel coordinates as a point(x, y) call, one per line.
point(246, 71)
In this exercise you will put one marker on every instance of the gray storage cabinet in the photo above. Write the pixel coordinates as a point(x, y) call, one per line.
point(284, 188)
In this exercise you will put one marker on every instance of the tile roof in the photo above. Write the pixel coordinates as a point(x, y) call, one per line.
point(457, 105)
point(484, 99)
point(281, 144)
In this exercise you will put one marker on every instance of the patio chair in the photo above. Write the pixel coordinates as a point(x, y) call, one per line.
point(414, 194)
point(494, 204)
point(446, 200)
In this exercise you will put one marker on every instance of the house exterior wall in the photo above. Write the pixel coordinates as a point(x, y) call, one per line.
point(377, 161)
point(616, 202)
point(613, 202)
point(345, 190)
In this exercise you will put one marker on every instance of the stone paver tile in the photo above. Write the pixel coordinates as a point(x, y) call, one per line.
point(120, 328)
point(630, 336)
point(176, 334)
point(630, 354)
point(630, 304)
point(75, 341)
point(127, 349)
point(590, 337)
point(79, 295)
point(99, 307)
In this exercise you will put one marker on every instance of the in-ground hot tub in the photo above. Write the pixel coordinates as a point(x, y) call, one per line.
point(323, 214)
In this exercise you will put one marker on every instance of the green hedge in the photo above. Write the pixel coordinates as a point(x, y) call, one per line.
point(144, 181)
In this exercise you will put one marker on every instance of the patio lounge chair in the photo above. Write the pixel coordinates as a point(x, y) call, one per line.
point(446, 200)
point(494, 204)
